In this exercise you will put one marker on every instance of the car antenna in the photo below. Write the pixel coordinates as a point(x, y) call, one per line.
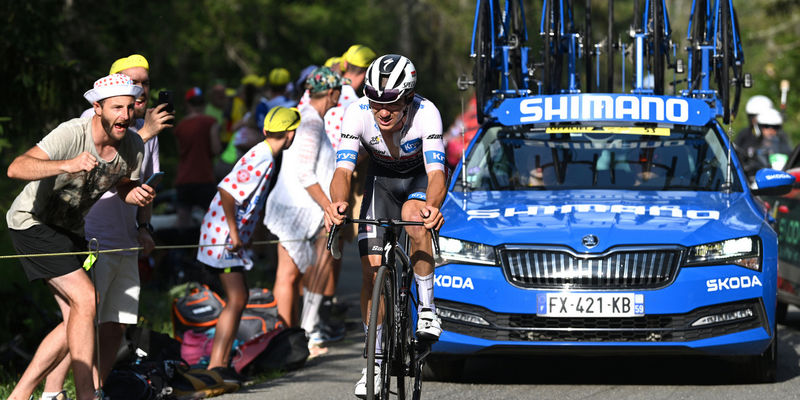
point(463, 152)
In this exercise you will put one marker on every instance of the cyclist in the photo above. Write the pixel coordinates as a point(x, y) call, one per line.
point(402, 134)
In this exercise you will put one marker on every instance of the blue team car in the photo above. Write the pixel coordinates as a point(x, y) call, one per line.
point(590, 222)
point(602, 221)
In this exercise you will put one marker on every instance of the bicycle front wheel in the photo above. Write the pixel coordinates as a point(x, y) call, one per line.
point(409, 378)
point(381, 315)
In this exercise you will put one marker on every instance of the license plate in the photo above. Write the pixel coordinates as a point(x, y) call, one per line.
point(590, 304)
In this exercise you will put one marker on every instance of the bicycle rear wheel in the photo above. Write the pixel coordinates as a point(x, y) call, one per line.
point(381, 314)
point(486, 80)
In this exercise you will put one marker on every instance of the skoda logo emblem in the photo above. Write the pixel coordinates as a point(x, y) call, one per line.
point(589, 241)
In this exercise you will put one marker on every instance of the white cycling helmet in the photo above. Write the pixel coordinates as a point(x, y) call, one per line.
point(388, 78)
point(758, 103)
point(770, 116)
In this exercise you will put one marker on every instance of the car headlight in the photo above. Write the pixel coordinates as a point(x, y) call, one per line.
point(454, 250)
point(745, 252)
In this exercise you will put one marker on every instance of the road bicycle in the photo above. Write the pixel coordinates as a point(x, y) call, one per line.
point(393, 307)
point(501, 58)
point(715, 48)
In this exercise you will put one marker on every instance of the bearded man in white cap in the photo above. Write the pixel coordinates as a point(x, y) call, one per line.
point(68, 170)
point(117, 274)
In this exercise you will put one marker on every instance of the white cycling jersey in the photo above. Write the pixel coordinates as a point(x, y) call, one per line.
point(419, 142)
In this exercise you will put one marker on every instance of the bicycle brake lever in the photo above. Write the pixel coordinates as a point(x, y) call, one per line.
point(333, 241)
point(435, 237)
point(333, 245)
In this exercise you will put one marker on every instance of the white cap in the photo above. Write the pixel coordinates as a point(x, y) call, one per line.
point(770, 116)
point(758, 103)
point(110, 86)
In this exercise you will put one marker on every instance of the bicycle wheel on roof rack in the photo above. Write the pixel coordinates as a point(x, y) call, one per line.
point(737, 68)
point(552, 48)
point(486, 79)
point(723, 67)
point(516, 36)
point(659, 45)
point(699, 22)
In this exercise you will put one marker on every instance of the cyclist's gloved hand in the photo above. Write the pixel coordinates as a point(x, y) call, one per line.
point(432, 218)
point(335, 213)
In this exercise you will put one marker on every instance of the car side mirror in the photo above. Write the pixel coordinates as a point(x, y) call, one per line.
point(771, 182)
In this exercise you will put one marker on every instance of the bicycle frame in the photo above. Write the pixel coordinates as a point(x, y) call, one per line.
point(402, 301)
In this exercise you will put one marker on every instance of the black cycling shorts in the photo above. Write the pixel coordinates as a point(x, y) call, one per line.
point(384, 196)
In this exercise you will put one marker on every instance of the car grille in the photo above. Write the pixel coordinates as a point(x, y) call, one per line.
point(648, 328)
point(639, 268)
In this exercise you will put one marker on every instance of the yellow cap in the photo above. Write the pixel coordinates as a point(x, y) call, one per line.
point(359, 55)
point(281, 119)
point(333, 60)
point(253, 79)
point(278, 76)
point(134, 60)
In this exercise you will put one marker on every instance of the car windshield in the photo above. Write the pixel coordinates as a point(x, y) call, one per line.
point(598, 157)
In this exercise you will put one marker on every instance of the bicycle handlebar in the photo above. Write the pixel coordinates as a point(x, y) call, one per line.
point(385, 222)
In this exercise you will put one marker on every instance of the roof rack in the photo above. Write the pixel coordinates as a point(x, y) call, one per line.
point(505, 66)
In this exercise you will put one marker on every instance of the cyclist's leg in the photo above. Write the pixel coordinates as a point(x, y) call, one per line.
point(428, 324)
point(378, 202)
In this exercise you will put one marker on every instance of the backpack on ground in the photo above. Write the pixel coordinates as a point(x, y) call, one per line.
point(286, 351)
point(259, 316)
point(197, 310)
point(145, 365)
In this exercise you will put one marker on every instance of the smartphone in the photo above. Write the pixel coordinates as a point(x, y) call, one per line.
point(154, 179)
point(165, 97)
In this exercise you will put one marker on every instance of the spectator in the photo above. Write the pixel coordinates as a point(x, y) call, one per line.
point(217, 107)
point(67, 175)
point(241, 104)
point(198, 143)
point(277, 93)
point(117, 274)
point(294, 211)
point(230, 220)
point(354, 66)
point(335, 64)
point(455, 144)
point(300, 83)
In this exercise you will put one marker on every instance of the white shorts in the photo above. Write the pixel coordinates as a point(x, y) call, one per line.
point(296, 228)
point(117, 284)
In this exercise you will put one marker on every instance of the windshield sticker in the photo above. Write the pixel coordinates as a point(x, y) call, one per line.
point(536, 210)
point(613, 144)
point(622, 130)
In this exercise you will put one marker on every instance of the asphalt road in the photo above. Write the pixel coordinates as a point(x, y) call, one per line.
point(333, 375)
